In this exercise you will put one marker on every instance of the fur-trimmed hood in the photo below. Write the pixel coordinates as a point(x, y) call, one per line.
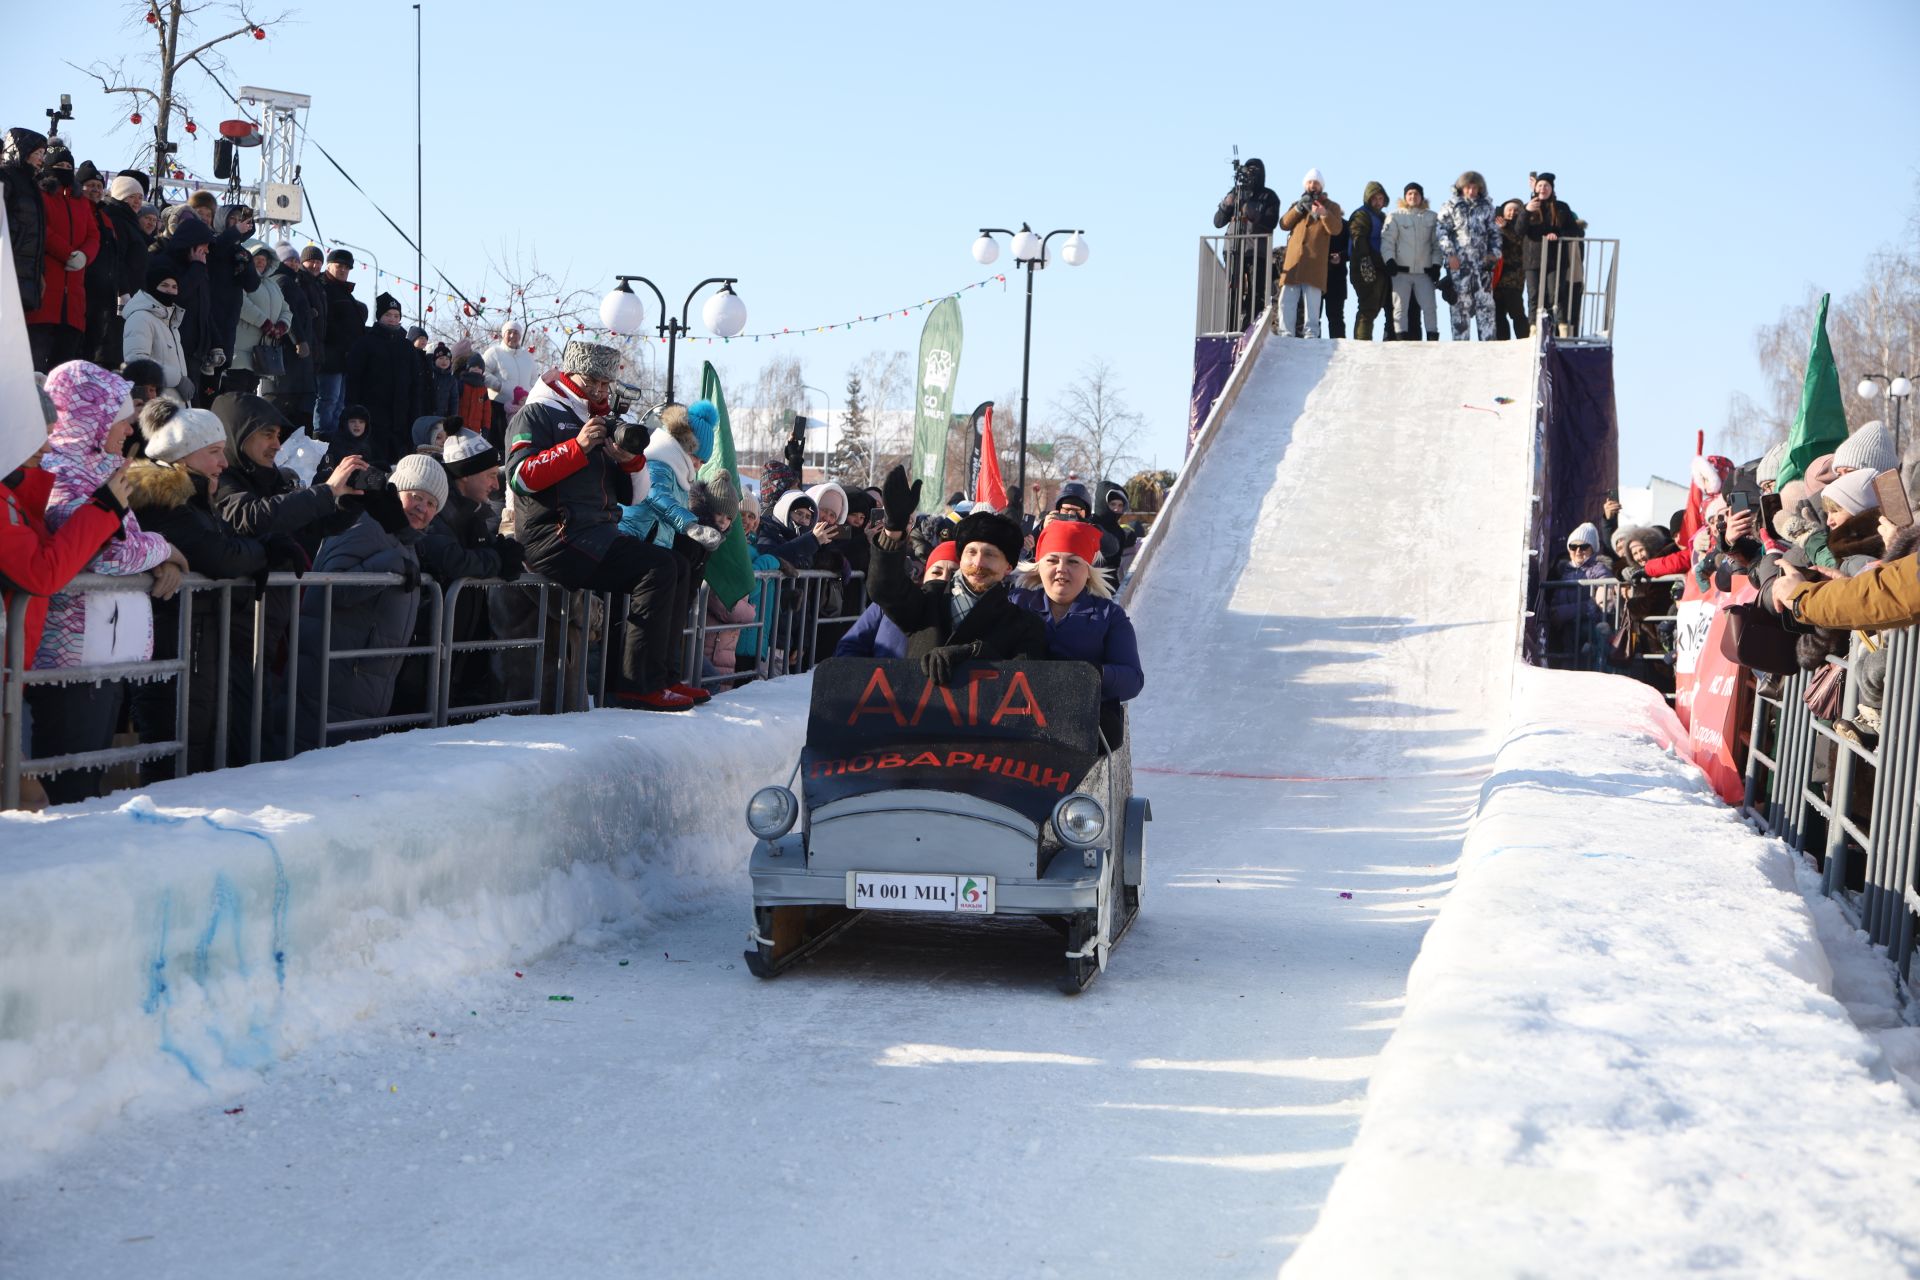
point(158, 484)
point(674, 450)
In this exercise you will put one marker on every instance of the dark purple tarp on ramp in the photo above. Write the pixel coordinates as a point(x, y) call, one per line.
point(1213, 361)
point(1580, 447)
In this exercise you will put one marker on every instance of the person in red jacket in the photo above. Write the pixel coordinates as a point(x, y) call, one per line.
point(40, 563)
point(57, 328)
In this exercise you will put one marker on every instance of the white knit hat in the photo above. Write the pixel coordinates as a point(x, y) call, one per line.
point(182, 432)
point(1868, 449)
point(418, 471)
point(124, 188)
point(1313, 175)
point(1767, 469)
point(1853, 492)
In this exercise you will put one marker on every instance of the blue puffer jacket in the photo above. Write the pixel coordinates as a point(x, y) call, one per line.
point(662, 509)
point(1096, 631)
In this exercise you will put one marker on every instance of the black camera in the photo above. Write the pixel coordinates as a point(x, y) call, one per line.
point(629, 434)
point(368, 479)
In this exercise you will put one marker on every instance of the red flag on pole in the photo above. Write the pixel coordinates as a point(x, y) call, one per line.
point(989, 488)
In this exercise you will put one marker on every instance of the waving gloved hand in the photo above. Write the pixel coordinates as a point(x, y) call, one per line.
point(940, 664)
point(707, 536)
point(899, 499)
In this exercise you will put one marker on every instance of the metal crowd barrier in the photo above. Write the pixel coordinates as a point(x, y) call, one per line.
point(1573, 287)
point(1851, 805)
point(1236, 283)
point(571, 643)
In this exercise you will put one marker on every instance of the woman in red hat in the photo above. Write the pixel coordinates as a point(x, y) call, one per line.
point(1083, 621)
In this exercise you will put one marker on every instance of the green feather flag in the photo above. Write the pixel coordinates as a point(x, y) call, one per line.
point(730, 567)
point(1821, 425)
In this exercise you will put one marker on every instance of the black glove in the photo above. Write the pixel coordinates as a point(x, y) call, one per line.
point(1433, 274)
point(899, 498)
point(410, 575)
point(1304, 204)
point(1394, 268)
point(287, 555)
point(513, 558)
point(108, 501)
point(384, 506)
point(938, 664)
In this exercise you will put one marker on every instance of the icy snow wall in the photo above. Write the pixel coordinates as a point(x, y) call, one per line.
point(212, 925)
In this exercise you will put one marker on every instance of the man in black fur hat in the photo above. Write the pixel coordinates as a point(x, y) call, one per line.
point(966, 617)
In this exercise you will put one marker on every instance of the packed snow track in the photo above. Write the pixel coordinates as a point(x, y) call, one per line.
point(919, 1099)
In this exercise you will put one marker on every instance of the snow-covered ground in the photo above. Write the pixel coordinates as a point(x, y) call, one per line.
point(1625, 1050)
point(516, 1037)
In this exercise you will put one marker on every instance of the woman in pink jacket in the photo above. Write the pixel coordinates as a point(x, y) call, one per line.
point(86, 445)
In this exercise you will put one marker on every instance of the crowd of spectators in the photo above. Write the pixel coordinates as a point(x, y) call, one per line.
point(1493, 265)
point(1831, 554)
point(177, 354)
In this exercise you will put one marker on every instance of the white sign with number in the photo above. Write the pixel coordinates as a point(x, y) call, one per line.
point(895, 891)
point(1692, 620)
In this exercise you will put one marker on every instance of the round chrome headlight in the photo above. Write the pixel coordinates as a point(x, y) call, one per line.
point(1079, 820)
point(771, 812)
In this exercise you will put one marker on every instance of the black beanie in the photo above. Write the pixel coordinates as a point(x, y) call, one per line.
point(993, 529)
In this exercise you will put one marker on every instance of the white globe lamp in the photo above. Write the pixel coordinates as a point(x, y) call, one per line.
point(1902, 387)
point(1026, 246)
point(1075, 251)
point(986, 250)
point(622, 311)
point(1868, 389)
point(724, 314)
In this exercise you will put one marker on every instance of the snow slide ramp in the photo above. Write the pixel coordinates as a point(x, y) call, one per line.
point(1337, 586)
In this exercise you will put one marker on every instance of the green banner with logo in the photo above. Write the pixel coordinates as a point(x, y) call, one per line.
point(933, 400)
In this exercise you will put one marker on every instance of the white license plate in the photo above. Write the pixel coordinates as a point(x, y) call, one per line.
point(891, 891)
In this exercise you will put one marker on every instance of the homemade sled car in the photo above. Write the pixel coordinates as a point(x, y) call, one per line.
point(993, 796)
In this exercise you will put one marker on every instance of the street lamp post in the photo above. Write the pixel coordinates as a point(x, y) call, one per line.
point(826, 437)
point(1899, 388)
point(1029, 251)
point(624, 312)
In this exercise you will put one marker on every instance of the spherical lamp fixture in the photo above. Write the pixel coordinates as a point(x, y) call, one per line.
point(986, 250)
point(724, 314)
point(623, 311)
point(1075, 251)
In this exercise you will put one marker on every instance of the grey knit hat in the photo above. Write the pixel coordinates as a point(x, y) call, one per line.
point(1767, 470)
point(591, 360)
point(1869, 448)
point(420, 471)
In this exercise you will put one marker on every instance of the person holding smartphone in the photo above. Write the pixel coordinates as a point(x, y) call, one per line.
point(1312, 221)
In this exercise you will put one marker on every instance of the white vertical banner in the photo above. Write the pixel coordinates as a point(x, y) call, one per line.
point(22, 426)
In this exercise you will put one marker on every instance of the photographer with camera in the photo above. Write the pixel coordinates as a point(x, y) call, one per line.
point(1252, 208)
point(568, 479)
point(1312, 222)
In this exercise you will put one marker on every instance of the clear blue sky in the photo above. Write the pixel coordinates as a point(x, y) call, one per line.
point(839, 157)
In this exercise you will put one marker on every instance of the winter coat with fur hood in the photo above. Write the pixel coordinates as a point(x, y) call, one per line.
point(664, 509)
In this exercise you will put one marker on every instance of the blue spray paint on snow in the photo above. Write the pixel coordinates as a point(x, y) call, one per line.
point(224, 911)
